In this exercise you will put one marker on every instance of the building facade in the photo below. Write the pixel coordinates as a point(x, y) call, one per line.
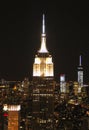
point(13, 117)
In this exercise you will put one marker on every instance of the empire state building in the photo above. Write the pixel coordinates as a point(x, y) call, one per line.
point(43, 65)
point(43, 87)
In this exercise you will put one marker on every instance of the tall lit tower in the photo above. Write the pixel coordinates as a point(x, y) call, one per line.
point(43, 65)
point(43, 87)
point(80, 72)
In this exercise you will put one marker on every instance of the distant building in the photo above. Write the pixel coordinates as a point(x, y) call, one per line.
point(62, 84)
point(80, 74)
point(13, 117)
point(43, 87)
point(76, 88)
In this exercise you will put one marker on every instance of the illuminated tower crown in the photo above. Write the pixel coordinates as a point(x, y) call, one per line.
point(43, 65)
point(43, 48)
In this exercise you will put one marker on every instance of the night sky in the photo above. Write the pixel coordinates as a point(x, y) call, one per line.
point(67, 25)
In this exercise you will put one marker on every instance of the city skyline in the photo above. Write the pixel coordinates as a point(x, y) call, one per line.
point(67, 38)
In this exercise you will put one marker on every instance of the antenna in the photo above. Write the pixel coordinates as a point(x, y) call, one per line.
point(43, 24)
point(80, 62)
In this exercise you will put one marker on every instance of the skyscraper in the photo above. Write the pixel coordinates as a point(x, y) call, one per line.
point(43, 87)
point(80, 73)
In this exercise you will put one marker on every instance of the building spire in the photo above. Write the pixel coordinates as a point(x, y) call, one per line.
point(43, 48)
point(80, 62)
point(43, 24)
